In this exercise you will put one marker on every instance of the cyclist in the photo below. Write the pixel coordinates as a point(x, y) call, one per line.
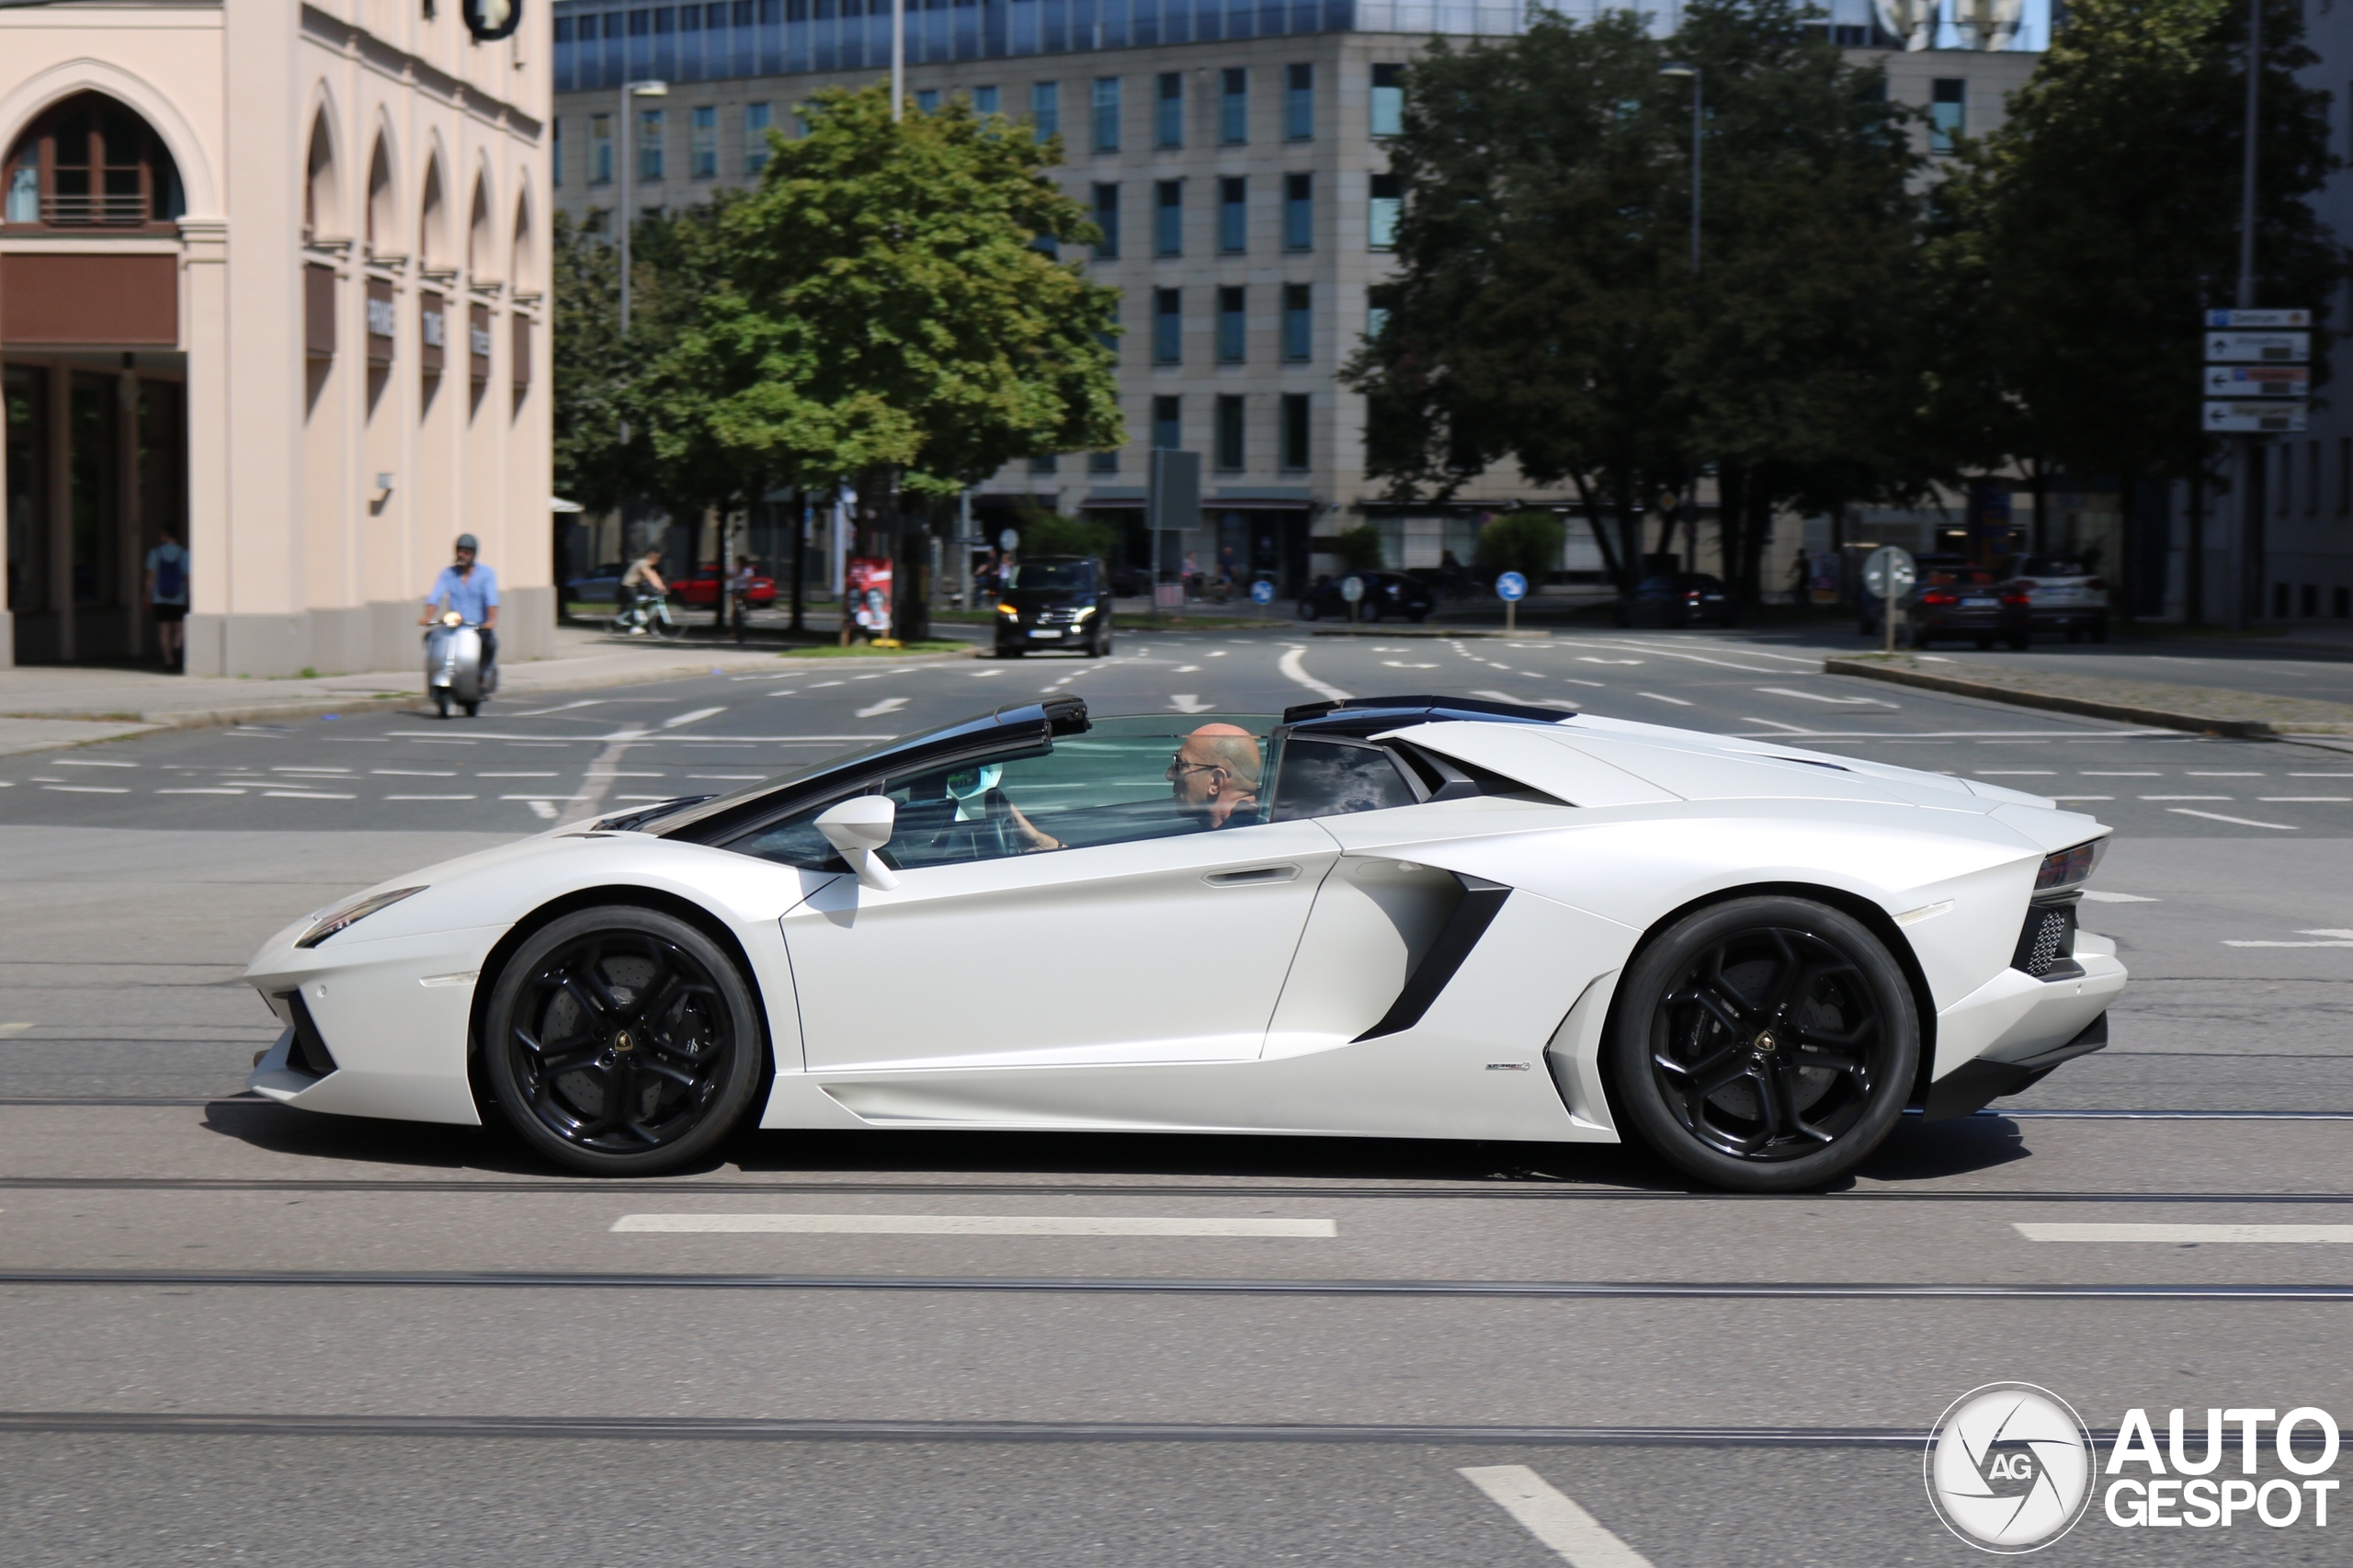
point(643, 579)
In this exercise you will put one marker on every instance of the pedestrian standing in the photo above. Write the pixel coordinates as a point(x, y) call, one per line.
point(167, 598)
point(739, 592)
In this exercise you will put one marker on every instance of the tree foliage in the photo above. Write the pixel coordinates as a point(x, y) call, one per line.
point(1527, 543)
point(889, 298)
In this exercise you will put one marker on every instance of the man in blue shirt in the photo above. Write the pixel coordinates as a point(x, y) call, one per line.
point(473, 591)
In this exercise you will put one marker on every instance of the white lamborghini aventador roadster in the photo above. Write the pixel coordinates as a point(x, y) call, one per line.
point(1409, 916)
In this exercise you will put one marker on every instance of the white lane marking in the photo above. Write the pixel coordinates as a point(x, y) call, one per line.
point(1187, 702)
point(1293, 669)
point(515, 775)
point(985, 674)
point(1220, 654)
point(1189, 669)
point(1402, 664)
point(1552, 1516)
point(429, 797)
point(888, 705)
point(1528, 702)
point(691, 717)
point(597, 780)
point(1572, 680)
point(547, 795)
point(543, 810)
point(1662, 697)
point(2101, 895)
point(2100, 772)
point(1792, 729)
point(2321, 776)
point(2186, 1235)
point(2237, 822)
point(77, 762)
point(94, 789)
point(303, 795)
point(14, 1029)
point(2185, 797)
point(2305, 799)
point(2015, 772)
point(971, 1226)
point(1819, 697)
point(412, 773)
point(2083, 797)
point(318, 770)
point(2338, 938)
point(645, 797)
point(567, 707)
point(738, 776)
point(2193, 773)
point(224, 790)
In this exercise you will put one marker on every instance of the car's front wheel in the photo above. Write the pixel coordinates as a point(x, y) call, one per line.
point(1764, 1044)
point(620, 1041)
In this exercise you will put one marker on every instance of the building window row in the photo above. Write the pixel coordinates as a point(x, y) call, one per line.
point(1296, 325)
point(1231, 420)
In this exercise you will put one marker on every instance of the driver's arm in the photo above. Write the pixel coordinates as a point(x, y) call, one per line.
point(1029, 830)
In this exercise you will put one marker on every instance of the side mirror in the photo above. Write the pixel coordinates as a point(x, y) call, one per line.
point(857, 827)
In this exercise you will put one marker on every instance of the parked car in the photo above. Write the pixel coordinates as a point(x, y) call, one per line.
point(1678, 599)
point(1867, 619)
point(1967, 602)
point(1056, 601)
point(1387, 595)
point(2063, 596)
point(1129, 582)
point(702, 590)
point(601, 586)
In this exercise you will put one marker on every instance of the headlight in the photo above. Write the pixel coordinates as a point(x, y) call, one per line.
point(1007, 609)
point(350, 913)
point(1083, 614)
point(2069, 868)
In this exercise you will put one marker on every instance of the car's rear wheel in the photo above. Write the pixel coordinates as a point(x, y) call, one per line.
point(621, 1041)
point(1764, 1044)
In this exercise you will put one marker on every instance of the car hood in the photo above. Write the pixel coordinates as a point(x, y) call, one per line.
point(1592, 761)
point(1047, 598)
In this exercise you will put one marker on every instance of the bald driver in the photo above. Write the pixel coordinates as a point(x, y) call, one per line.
point(1215, 772)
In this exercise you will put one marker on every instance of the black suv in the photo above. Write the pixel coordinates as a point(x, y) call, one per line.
point(1386, 595)
point(1056, 601)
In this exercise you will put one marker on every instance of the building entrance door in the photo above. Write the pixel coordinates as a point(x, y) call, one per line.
point(97, 469)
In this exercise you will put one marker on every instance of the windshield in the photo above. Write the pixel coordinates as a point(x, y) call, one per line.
point(1077, 575)
point(2054, 566)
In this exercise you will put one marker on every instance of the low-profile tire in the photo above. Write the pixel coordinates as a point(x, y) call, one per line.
point(1764, 1044)
point(473, 709)
point(441, 701)
point(621, 1041)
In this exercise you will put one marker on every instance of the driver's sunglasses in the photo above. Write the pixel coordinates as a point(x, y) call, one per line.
point(1178, 766)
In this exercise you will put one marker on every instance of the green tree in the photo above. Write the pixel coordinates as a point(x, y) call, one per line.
point(1527, 543)
point(2088, 233)
point(891, 299)
point(1358, 549)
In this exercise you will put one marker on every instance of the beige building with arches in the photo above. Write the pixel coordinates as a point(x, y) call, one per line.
point(274, 275)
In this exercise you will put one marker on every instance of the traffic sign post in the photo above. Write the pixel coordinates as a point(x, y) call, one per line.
point(2257, 379)
point(1352, 590)
point(1262, 593)
point(1890, 574)
point(1511, 588)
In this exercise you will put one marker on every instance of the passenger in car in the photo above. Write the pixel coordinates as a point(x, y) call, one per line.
point(1215, 772)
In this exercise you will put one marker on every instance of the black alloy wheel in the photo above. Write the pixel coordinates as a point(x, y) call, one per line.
point(1764, 1044)
point(623, 1042)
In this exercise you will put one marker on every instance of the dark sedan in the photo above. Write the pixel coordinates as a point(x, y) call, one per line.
point(1678, 599)
point(1387, 595)
point(1966, 603)
point(1056, 601)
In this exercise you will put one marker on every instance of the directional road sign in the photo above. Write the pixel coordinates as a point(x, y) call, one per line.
point(1511, 588)
point(2265, 418)
point(1889, 569)
point(1262, 591)
point(2258, 380)
point(2245, 319)
point(1007, 539)
point(1352, 588)
point(2258, 347)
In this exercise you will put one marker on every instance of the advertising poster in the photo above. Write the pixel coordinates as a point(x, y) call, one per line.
point(867, 580)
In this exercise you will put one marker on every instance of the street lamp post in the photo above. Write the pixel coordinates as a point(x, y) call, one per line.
point(1676, 68)
point(898, 59)
point(2244, 574)
point(646, 89)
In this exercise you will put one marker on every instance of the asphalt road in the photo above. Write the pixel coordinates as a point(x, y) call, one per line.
point(238, 1332)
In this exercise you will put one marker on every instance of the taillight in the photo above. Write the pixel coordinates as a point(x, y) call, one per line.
point(2068, 868)
point(1939, 598)
point(2096, 584)
point(2016, 600)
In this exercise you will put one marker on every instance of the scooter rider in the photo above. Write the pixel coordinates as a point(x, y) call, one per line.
point(471, 590)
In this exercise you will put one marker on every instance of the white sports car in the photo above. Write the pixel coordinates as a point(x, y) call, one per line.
point(1409, 916)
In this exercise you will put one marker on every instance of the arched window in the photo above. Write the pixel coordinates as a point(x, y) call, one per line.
point(433, 228)
point(90, 163)
point(322, 190)
point(381, 233)
point(482, 249)
point(524, 259)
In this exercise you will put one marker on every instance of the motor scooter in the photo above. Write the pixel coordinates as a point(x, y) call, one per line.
point(453, 671)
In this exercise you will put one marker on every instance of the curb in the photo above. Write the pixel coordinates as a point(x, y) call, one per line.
point(1434, 633)
point(2090, 708)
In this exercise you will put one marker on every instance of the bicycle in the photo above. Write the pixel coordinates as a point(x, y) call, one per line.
point(649, 613)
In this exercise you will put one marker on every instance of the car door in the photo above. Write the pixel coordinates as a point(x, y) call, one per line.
point(1059, 910)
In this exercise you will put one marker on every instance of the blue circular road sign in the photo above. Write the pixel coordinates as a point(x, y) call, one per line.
point(1511, 587)
point(1262, 591)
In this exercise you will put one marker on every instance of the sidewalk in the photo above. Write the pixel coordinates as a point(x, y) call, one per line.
point(2202, 709)
point(48, 706)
